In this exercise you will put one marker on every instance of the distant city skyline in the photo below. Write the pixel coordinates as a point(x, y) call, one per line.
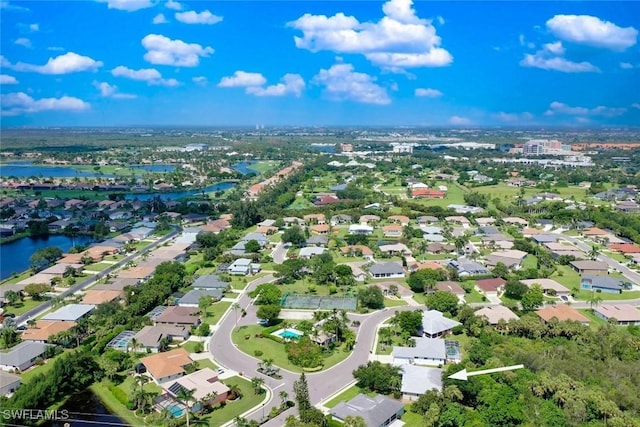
point(395, 63)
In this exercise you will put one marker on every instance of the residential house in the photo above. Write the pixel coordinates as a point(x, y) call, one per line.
point(467, 268)
point(392, 230)
point(366, 219)
point(100, 296)
point(192, 298)
point(324, 339)
point(493, 314)
point(400, 219)
point(357, 250)
point(71, 312)
point(427, 351)
point(490, 287)
point(358, 273)
point(452, 288)
point(431, 229)
point(561, 312)
point(440, 248)
point(320, 229)
point(426, 220)
point(386, 270)
point(141, 233)
point(210, 281)
point(315, 219)
point(138, 272)
point(624, 314)
point(427, 193)
point(149, 339)
point(317, 241)
point(625, 248)
point(395, 249)
point(44, 329)
point(628, 206)
point(258, 237)
point(309, 252)
point(591, 267)
point(549, 286)
point(22, 356)
point(179, 316)
point(290, 221)
point(207, 390)
point(484, 221)
point(435, 325)
point(514, 220)
point(167, 366)
point(360, 229)
point(244, 266)
point(8, 383)
point(340, 219)
point(377, 411)
point(607, 284)
point(511, 258)
point(417, 380)
point(458, 220)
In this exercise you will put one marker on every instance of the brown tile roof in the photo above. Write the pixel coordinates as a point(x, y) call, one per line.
point(165, 364)
point(449, 286)
point(45, 328)
point(355, 248)
point(179, 315)
point(561, 312)
point(594, 231)
point(490, 285)
point(99, 296)
point(136, 272)
point(625, 248)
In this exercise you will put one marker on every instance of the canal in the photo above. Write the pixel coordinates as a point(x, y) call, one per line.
point(85, 409)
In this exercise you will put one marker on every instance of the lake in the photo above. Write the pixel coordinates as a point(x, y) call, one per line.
point(245, 167)
point(14, 256)
point(86, 410)
point(28, 169)
point(221, 186)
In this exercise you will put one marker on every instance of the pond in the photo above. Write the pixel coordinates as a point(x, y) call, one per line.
point(14, 256)
point(29, 169)
point(245, 167)
point(221, 186)
point(84, 409)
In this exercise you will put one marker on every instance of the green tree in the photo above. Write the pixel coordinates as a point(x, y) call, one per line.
point(532, 299)
point(43, 257)
point(187, 398)
point(301, 391)
point(409, 321)
point(378, 377)
point(35, 290)
point(500, 270)
point(294, 235)
point(424, 279)
point(204, 302)
point(443, 301)
point(269, 312)
point(257, 383)
point(12, 297)
point(371, 297)
point(515, 289)
point(252, 246)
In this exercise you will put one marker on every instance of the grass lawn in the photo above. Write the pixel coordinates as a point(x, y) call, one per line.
point(99, 266)
point(206, 363)
point(239, 283)
point(215, 311)
point(300, 203)
point(474, 296)
point(42, 369)
point(348, 394)
point(585, 295)
point(420, 298)
point(23, 306)
point(274, 350)
point(388, 302)
point(411, 418)
point(232, 409)
point(569, 279)
point(530, 261)
point(18, 278)
point(617, 256)
point(108, 399)
point(264, 166)
point(190, 346)
point(127, 386)
point(594, 321)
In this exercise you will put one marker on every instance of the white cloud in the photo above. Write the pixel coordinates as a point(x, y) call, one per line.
point(192, 17)
point(440, 20)
point(399, 40)
point(34, 28)
point(564, 109)
point(174, 5)
point(592, 31)
point(200, 80)
point(5, 5)
point(428, 92)
point(149, 75)
point(342, 83)
point(128, 5)
point(164, 51)
point(6, 79)
point(513, 117)
point(626, 66)
point(550, 57)
point(55, 48)
point(243, 79)
point(70, 62)
point(14, 104)
point(23, 41)
point(290, 84)
point(111, 91)
point(554, 48)
point(460, 121)
point(636, 105)
point(160, 19)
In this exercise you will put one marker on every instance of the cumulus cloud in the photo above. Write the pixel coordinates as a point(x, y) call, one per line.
point(192, 17)
point(14, 104)
point(592, 31)
point(200, 80)
point(626, 66)
point(550, 57)
point(342, 83)
point(128, 5)
point(34, 28)
point(636, 105)
point(513, 117)
point(460, 121)
point(290, 84)
point(149, 75)
point(23, 41)
point(68, 63)
point(164, 51)
point(564, 109)
point(111, 91)
point(397, 41)
point(173, 5)
point(6, 79)
point(243, 79)
point(5, 5)
point(160, 19)
point(428, 93)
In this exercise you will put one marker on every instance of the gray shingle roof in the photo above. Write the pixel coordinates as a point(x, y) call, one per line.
point(433, 322)
point(210, 281)
point(603, 282)
point(418, 379)
point(386, 268)
point(22, 353)
point(426, 348)
point(375, 410)
point(70, 313)
point(193, 296)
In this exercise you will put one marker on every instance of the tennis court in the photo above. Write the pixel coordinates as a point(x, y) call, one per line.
point(312, 302)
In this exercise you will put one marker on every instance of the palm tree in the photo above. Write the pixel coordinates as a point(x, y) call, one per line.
point(186, 396)
point(235, 391)
point(594, 252)
point(257, 383)
point(235, 307)
point(283, 397)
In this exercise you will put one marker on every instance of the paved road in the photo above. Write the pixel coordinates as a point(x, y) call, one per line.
point(321, 384)
point(279, 253)
point(36, 311)
point(613, 264)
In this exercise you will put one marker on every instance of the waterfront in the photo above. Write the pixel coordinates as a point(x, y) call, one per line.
point(92, 412)
point(29, 169)
point(14, 256)
point(221, 186)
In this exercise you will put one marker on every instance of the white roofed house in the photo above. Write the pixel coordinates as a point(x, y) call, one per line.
point(434, 324)
point(495, 313)
point(360, 229)
point(309, 252)
point(377, 411)
point(417, 380)
point(244, 266)
point(427, 351)
point(622, 314)
point(386, 270)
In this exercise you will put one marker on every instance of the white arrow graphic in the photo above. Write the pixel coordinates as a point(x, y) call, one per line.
point(463, 375)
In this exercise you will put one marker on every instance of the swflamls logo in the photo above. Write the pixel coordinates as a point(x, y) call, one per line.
point(34, 414)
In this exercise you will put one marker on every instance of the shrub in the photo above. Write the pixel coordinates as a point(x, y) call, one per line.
point(119, 394)
point(258, 353)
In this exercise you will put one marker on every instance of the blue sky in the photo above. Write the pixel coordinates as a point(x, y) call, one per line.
point(152, 62)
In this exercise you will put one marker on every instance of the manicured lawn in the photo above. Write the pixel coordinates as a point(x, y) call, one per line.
point(108, 399)
point(411, 418)
point(233, 408)
point(569, 279)
point(585, 295)
point(616, 256)
point(99, 266)
point(239, 283)
point(215, 311)
point(206, 363)
point(530, 261)
point(594, 321)
point(275, 350)
point(42, 369)
point(190, 346)
point(388, 302)
point(474, 296)
point(23, 306)
point(264, 166)
point(127, 386)
point(420, 298)
point(18, 278)
point(300, 203)
point(348, 394)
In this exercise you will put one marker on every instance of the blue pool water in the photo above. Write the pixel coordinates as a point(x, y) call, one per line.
point(290, 334)
point(175, 410)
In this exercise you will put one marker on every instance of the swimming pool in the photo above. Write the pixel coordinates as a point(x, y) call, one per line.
point(290, 334)
point(175, 410)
